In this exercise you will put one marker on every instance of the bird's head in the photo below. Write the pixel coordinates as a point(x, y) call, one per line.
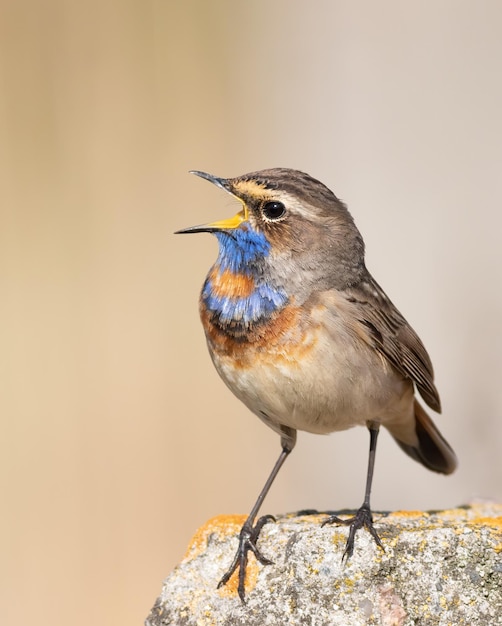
point(291, 228)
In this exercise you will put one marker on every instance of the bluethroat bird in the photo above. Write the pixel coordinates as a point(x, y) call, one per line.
point(303, 335)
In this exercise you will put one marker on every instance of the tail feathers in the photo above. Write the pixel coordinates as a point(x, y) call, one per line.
point(432, 449)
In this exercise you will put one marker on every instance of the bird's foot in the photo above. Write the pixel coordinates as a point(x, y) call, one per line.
point(362, 519)
point(248, 538)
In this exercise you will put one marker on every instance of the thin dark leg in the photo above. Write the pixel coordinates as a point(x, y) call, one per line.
point(363, 517)
point(250, 531)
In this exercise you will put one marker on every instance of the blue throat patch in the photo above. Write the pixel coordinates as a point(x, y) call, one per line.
point(240, 248)
point(240, 251)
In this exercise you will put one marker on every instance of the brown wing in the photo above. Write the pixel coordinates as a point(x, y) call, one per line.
point(394, 338)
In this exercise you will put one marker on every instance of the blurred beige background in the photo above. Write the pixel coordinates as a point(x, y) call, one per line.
point(118, 439)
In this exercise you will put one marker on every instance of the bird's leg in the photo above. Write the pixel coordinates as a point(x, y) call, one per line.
point(250, 530)
point(363, 517)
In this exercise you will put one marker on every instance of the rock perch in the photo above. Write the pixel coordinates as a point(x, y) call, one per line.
point(441, 568)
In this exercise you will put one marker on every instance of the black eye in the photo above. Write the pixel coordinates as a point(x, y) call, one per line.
point(273, 210)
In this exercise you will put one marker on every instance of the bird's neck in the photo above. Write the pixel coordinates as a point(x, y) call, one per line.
point(237, 295)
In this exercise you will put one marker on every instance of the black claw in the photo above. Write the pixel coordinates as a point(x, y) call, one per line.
point(362, 519)
point(248, 538)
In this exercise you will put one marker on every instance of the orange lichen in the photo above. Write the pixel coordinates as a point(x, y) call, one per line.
point(221, 524)
point(492, 522)
point(409, 514)
point(224, 526)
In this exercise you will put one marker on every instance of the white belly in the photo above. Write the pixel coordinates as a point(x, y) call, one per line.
point(332, 387)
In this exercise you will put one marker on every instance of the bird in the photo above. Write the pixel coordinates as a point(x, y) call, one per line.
point(304, 336)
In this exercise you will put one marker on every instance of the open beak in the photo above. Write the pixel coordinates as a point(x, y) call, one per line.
point(228, 224)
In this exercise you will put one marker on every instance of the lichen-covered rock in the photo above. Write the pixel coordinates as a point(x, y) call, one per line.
point(439, 568)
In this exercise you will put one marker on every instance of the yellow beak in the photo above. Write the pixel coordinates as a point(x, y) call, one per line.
point(228, 224)
point(231, 222)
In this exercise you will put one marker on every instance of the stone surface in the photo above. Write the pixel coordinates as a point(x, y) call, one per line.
point(439, 568)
